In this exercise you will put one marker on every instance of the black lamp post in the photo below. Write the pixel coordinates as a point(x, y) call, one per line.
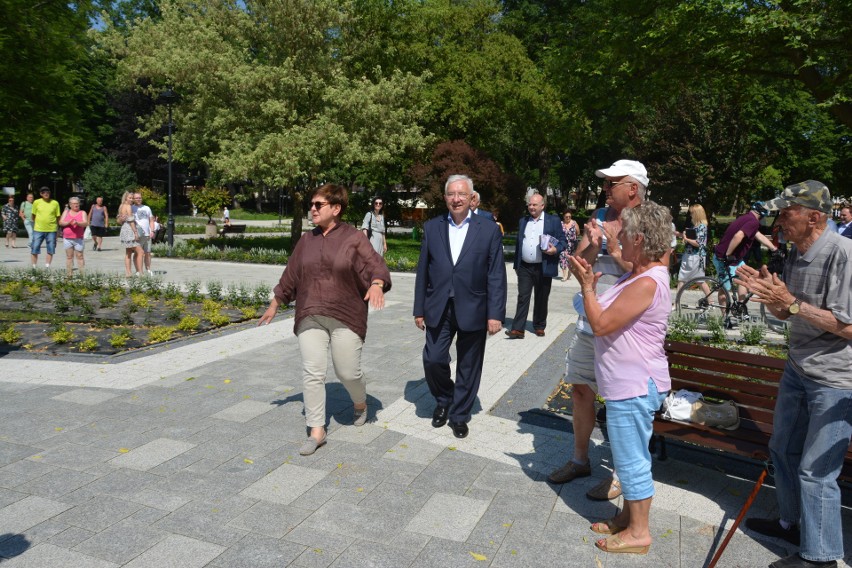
point(169, 97)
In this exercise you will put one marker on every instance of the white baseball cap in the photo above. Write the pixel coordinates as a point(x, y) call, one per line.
point(622, 168)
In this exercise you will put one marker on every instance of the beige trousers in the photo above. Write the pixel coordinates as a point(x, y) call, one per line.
point(315, 335)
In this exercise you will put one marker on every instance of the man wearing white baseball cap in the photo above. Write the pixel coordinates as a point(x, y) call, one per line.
point(625, 183)
point(813, 412)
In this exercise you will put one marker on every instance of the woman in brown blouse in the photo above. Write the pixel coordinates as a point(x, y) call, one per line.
point(333, 274)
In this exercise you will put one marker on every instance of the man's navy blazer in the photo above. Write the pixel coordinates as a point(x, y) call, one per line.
point(552, 227)
point(847, 233)
point(477, 282)
point(486, 214)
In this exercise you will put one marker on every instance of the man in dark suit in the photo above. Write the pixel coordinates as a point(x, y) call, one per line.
point(474, 206)
point(536, 267)
point(845, 226)
point(460, 290)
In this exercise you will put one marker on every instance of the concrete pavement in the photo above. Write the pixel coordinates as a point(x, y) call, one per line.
point(189, 457)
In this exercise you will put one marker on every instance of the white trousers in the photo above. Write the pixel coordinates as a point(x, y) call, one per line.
point(316, 334)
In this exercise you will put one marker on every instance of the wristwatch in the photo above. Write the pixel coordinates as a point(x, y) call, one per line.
point(794, 308)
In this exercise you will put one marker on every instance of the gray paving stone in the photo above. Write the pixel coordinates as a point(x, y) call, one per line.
point(56, 483)
point(47, 555)
point(317, 538)
point(206, 521)
point(441, 552)
point(401, 499)
point(121, 542)
point(411, 449)
point(159, 499)
point(15, 544)
point(174, 465)
point(451, 517)
point(148, 515)
point(10, 453)
point(7, 497)
point(89, 397)
point(284, 484)
point(73, 456)
point(315, 558)
point(22, 471)
point(364, 435)
point(71, 537)
point(315, 497)
point(177, 551)
point(411, 541)
point(372, 555)
point(505, 478)
point(152, 454)
point(358, 522)
point(270, 519)
point(255, 551)
point(28, 512)
point(122, 482)
point(244, 411)
point(98, 513)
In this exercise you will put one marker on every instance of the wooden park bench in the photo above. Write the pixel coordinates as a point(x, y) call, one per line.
point(232, 229)
point(751, 381)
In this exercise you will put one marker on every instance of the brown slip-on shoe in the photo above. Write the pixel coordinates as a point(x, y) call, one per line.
point(606, 490)
point(539, 332)
point(514, 334)
point(570, 471)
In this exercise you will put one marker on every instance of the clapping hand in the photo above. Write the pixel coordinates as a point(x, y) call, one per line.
point(584, 273)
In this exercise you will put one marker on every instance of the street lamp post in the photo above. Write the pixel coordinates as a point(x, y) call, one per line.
point(169, 97)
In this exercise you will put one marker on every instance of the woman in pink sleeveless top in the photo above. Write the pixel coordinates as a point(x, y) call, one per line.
point(73, 223)
point(629, 321)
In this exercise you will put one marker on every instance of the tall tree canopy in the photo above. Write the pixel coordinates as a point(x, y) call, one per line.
point(50, 89)
point(266, 90)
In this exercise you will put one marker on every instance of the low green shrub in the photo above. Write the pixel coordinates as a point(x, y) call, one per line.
point(88, 344)
point(160, 333)
point(189, 323)
point(120, 338)
point(10, 335)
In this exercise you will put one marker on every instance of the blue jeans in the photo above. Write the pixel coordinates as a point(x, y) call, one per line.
point(811, 432)
point(40, 237)
point(721, 267)
point(629, 423)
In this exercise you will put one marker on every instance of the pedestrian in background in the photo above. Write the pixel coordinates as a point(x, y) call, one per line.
point(375, 227)
point(73, 223)
point(10, 222)
point(98, 222)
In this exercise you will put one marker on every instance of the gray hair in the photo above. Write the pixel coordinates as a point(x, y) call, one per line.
point(642, 187)
point(74, 200)
point(475, 195)
point(654, 222)
point(543, 198)
point(458, 177)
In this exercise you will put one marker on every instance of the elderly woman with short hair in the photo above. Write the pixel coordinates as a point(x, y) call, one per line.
point(333, 274)
point(629, 321)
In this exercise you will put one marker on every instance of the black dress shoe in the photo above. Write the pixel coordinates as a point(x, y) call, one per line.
point(459, 429)
point(772, 527)
point(439, 417)
point(796, 561)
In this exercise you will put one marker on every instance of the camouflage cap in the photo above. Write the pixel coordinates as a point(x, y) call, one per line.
point(811, 194)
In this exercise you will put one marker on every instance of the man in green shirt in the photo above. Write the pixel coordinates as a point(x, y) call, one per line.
point(25, 212)
point(45, 225)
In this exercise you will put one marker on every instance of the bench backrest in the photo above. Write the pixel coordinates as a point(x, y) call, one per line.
point(750, 380)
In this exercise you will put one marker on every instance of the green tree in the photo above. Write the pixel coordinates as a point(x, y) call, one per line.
point(107, 178)
point(51, 92)
point(210, 200)
point(266, 94)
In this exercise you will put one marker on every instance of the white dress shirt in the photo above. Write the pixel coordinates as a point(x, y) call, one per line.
point(457, 235)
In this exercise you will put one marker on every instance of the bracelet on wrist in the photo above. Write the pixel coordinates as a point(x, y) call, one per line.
point(382, 284)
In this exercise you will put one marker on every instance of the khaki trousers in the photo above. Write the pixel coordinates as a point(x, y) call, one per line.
point(315, 335)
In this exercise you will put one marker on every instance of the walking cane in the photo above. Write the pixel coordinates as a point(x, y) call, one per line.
point(739, 518)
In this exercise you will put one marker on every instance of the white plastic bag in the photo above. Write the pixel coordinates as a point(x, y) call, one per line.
point(678, 405)
point(87, 234)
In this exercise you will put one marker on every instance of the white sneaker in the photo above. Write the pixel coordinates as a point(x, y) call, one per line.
point(150, 273)
point(47, 266)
